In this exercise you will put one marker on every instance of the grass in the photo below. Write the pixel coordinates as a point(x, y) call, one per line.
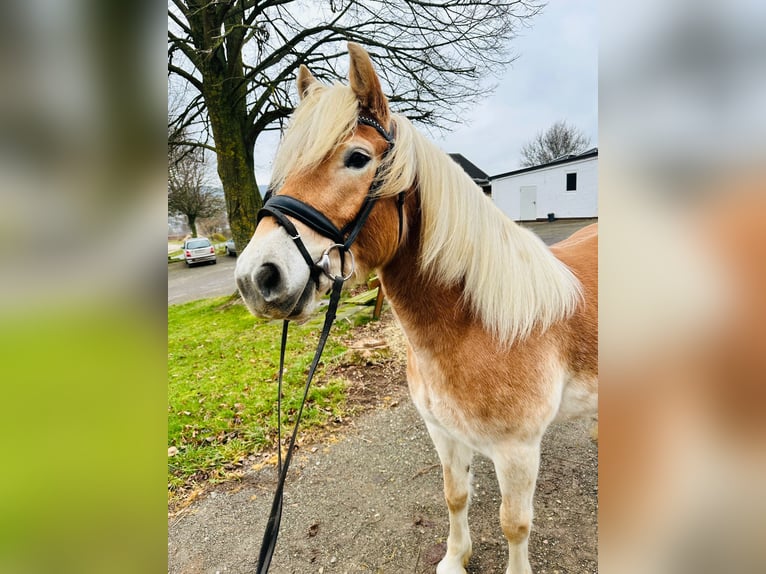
point(222, 369)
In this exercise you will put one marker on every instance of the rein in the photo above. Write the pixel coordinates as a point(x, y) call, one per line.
point(280, 207)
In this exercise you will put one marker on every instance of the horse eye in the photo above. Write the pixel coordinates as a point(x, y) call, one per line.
point(357, 160)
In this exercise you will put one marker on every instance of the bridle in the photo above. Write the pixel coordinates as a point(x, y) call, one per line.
point(281, 207)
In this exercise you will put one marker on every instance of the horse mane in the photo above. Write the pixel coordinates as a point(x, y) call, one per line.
point(511, 280)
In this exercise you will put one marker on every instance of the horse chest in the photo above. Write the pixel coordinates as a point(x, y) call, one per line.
point(432, 392)
point(480, 405)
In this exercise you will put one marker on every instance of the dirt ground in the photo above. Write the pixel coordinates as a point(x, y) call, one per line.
point(366, 495)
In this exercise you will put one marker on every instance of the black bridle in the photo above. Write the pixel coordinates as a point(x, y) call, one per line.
point(281, 207)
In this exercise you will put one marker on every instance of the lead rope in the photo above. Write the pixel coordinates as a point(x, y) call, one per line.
point(275, 516)
point(279, 206)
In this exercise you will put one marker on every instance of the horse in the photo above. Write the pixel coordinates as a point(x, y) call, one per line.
point(501, 330)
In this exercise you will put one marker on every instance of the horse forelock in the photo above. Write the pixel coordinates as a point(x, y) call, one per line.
point(324, 119)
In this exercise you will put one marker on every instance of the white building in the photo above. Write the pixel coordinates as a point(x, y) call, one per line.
point(566, 187)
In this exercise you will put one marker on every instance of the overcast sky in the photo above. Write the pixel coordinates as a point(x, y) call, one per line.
point(555, 77)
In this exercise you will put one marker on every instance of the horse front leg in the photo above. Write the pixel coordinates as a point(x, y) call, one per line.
point(516, 466)
point(456, 466)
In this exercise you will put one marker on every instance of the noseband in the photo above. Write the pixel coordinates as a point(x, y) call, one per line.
point(282, 206)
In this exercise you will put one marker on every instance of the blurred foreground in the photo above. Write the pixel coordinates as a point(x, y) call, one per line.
point(82, 314)
point(683, 288)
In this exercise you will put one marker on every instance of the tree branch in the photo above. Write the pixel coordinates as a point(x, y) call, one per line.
point(185, 75)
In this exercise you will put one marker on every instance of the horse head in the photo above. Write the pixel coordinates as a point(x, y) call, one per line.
point(327, 214)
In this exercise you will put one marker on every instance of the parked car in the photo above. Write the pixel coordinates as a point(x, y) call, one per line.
point(231, 249)
point(198, 250)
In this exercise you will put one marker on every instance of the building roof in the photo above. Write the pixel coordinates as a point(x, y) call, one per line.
point(476, 174)
point(592, 152)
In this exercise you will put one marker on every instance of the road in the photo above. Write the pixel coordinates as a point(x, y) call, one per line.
point(557, 230)
point(191, 283)
point(201, 281)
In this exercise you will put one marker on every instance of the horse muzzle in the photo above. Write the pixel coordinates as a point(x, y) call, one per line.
point(273, 278)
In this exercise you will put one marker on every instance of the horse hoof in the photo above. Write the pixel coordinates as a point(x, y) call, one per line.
point(451, 566)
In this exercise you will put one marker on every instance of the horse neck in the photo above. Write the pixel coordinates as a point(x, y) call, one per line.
point(423, 306)
point(521, 286)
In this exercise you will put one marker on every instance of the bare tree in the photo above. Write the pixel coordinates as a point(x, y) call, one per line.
point(187, 193)
point(240, 58)
point(558, 140)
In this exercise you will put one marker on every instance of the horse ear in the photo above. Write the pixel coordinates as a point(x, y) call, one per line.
point(365, 83)
point(305, 81)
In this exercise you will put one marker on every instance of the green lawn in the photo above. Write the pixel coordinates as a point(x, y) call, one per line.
point(222, 368)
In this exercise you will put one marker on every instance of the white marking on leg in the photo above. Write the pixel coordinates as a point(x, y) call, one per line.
point(456, 462)
point(516, 467)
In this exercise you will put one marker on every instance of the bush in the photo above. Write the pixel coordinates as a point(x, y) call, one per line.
point(217, 237)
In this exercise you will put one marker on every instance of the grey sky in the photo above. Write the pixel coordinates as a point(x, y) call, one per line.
point(555, 77)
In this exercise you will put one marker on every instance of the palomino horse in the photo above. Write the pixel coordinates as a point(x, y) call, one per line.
point(501, 330)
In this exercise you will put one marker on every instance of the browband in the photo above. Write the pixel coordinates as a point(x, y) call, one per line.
point(389, 137)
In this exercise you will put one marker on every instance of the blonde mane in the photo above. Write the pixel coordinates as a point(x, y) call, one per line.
point(512, 281)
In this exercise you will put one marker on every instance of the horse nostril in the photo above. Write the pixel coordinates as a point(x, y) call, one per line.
point(268, 280)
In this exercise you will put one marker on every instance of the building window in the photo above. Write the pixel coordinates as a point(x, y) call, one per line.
point(571, 182)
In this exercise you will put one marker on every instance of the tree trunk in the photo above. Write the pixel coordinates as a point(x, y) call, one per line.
point(225, 94)
point(192, 225)
point(237, 172)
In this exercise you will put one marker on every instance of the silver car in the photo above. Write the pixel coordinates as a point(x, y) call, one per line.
point(198, 250)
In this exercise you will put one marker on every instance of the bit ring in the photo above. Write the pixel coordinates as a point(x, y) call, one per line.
point(324, 262)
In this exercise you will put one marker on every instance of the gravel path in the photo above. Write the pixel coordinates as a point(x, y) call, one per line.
point(372, 502)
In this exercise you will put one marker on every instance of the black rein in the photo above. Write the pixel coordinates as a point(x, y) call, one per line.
point(280, 207)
